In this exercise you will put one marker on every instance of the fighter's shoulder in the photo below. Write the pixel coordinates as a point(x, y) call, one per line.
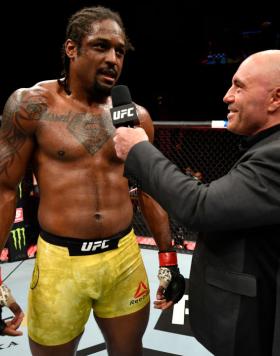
point(144, 117)
point(145, 121)
point(25, 96)
point(26, 105)
point(143, 113)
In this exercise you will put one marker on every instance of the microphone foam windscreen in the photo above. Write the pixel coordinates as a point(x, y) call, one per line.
point(120, 95)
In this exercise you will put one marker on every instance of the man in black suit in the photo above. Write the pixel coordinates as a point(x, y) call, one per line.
point(235, 273)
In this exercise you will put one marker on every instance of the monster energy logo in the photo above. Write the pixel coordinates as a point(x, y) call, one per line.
point(19, 239)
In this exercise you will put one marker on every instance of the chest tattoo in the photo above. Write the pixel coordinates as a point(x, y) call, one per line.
point(91, 131)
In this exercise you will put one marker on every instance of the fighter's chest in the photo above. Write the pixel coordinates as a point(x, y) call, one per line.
point(75, 135)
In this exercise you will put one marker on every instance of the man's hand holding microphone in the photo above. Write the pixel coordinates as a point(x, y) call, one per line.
point(125, 138)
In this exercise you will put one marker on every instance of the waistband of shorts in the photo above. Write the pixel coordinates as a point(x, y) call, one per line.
point(78, 246)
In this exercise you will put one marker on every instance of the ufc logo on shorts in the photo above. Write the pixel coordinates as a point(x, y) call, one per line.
point(120, 114)
point(94, 245)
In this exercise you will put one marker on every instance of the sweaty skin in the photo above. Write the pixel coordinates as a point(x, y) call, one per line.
point(73, 159)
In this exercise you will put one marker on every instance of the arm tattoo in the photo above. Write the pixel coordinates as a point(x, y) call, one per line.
point(11, 138)
point(35, 108)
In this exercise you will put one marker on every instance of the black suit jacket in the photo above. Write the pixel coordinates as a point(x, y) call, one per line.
point(235, 266)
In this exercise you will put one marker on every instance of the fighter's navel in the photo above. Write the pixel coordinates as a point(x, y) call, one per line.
point(61, 153)
point(97, 216)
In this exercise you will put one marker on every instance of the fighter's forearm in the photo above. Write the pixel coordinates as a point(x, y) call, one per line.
point(157, 219)
point(7, 214)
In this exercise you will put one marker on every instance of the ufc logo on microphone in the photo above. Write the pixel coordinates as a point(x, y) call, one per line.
point(94, 245)
point(121, 114)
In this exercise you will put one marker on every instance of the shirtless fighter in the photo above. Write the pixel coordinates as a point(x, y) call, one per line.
point(88, 257)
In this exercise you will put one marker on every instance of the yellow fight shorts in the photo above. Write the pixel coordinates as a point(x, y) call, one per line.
point(65, 286)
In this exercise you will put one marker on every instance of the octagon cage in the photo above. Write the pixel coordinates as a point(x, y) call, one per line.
point(205, 149)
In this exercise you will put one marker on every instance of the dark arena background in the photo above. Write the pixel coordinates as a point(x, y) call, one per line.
point(185, 51)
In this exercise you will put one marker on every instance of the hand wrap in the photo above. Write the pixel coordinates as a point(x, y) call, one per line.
point(169, 276)
point(6, 298)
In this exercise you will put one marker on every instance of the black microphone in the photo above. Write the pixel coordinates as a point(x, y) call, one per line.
point(123, 111)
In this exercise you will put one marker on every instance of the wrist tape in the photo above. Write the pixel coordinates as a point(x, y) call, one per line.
point(167, 259)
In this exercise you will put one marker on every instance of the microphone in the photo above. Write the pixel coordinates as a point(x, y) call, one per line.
point(123, 111)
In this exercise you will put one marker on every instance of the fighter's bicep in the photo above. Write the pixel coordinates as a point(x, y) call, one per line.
point(16, 136)
point(15, 150)
point(15, 153)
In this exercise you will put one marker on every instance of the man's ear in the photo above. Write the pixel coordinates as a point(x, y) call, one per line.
point(70, 48)
point(275, 100)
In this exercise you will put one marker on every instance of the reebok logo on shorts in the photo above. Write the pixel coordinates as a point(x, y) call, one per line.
point(140, 294)
point(141, 290)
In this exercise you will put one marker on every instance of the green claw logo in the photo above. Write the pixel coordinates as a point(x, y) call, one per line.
point(19, 239)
